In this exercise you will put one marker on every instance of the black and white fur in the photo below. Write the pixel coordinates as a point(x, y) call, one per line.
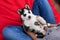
point(30, 21)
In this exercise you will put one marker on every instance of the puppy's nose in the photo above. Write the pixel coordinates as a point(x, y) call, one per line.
point(24, 15)
point(29, 17)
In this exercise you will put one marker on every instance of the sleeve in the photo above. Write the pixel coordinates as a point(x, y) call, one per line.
point(42, 8)
point(35, 8)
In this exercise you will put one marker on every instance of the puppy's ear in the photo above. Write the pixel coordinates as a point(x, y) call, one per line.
point(19, 11)
point(27, 6)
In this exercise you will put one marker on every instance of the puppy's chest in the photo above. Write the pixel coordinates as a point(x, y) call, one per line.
point(31, 22)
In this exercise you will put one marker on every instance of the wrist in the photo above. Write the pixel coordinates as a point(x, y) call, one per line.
point(34, 38)
point(48, 24)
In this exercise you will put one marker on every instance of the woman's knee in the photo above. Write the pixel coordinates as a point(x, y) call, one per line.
point(6, 31)
point(10, 32)
point(15, 33)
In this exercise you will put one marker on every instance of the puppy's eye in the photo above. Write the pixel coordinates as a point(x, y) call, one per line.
point(24, 15)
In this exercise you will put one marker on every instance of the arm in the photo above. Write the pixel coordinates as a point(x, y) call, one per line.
point(32, 35)
point(42, 8)
point(41, 20)
point(52, 25)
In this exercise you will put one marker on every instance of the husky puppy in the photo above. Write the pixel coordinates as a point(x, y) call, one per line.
point(32, 22)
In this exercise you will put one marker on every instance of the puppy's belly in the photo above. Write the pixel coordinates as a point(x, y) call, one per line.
point(37, 29)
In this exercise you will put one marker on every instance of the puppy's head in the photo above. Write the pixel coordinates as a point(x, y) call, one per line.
point(25, 13)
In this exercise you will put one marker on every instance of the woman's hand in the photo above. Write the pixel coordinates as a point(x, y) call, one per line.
point(35, 39)
point(32, 35)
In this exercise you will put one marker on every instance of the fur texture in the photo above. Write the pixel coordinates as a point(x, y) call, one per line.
point(32, 22)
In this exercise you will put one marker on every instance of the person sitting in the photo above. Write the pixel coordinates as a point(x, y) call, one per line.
point(10, 22)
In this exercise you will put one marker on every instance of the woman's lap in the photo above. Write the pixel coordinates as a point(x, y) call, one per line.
point(15, 33)
point(52, 34)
